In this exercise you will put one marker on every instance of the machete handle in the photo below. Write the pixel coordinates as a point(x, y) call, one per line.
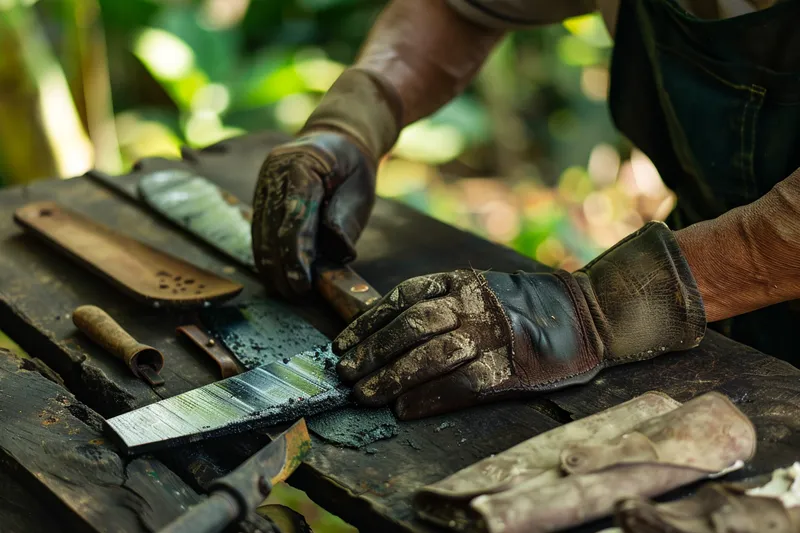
point(347, 292)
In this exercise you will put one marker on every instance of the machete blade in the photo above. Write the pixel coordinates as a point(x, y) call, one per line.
point(277, 392)
point(202, 208)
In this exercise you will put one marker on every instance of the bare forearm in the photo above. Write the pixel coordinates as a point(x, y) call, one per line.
point(748, 258)
point(427, 52)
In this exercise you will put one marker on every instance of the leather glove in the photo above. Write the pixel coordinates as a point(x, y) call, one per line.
point(447, 341)
point(719, 508)
point(314, 195)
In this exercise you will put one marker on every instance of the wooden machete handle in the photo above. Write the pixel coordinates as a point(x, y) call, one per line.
point(347, 292)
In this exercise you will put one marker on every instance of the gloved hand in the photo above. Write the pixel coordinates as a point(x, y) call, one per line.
point(314, 195)
point(446, 341)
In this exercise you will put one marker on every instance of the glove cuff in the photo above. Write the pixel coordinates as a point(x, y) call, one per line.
point(643, 298)
point(363, 105)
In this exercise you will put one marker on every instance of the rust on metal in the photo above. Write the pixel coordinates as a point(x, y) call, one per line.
point(297, 447)
point(239, 493)
point(216, 351)
point(144, 361)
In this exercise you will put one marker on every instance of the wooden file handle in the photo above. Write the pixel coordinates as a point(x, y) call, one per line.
point(144, 361)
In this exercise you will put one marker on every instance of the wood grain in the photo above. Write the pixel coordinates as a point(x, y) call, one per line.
point(54, 443)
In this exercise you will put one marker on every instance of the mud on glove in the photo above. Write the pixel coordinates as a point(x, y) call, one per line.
point(446, 341)
point(314, 195)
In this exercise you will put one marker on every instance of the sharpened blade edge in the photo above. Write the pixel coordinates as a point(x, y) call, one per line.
point(278, 392)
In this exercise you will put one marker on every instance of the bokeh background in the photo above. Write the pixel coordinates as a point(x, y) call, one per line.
point(526, 157)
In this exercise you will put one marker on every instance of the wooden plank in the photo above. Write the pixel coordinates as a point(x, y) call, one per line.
point(21, 511)
point(372, 490)
point(54, 444)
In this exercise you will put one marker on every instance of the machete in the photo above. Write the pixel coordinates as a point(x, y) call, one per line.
point(280, 391)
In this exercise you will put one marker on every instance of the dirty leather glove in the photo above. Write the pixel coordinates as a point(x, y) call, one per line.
point(447, 341)
point(314, 195)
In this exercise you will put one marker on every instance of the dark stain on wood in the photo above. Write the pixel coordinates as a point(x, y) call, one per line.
point(21, 510)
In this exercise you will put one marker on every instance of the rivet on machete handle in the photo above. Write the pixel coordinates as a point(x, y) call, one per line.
point(144, 361)
point(235, 495)
point(348, 293)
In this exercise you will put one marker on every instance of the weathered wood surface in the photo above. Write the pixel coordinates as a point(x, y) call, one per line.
point(371, 490)
point(53, 444)
point(21, 511)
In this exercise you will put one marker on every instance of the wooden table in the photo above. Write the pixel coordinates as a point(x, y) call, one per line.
point(53, 448)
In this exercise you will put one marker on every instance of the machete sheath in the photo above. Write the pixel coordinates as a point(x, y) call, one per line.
point(141, 271)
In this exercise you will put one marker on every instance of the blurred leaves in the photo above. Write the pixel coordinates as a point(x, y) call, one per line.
point(526, 156)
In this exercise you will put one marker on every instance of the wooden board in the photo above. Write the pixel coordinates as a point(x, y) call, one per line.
point(371, 490)
point(21, 511)
point(53, 444)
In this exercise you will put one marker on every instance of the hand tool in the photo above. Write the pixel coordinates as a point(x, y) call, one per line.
point(280, 391)
point(142, 271)
point(235, 495)
point(284, 390)
point(144, 361)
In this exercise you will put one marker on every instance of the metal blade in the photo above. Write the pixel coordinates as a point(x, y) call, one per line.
point(202, 208)
point(260, 332)
point(278, 392)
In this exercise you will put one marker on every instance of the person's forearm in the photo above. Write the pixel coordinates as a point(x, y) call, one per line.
point(427, 52)
point(749, 257)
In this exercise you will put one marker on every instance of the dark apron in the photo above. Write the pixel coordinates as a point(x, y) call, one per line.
point(715, 104)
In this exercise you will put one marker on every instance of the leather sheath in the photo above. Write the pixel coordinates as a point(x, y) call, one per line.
point(582, 474)
point(141, 271)
point(720, 508)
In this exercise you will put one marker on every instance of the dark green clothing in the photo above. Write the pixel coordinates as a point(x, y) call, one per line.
point(716, 105)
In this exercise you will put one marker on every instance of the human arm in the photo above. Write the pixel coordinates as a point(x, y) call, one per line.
point(446, 341)
point(428, 348)
point(315, 194)
point(749, 257)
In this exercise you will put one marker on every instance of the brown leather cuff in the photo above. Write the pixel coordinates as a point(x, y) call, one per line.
point(643, 298)
point(364, 106)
